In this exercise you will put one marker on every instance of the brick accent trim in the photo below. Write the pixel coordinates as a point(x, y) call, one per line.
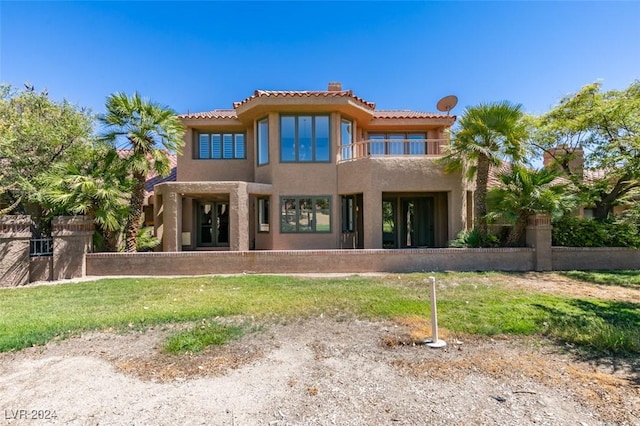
point(15, 226)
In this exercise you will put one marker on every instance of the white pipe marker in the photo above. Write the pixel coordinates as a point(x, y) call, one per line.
point(434, 342)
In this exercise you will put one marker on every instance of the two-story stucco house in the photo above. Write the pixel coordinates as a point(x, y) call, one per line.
point(297, 170)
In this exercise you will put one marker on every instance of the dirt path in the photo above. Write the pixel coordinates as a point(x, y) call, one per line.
point(320, 371)
point(559, 284)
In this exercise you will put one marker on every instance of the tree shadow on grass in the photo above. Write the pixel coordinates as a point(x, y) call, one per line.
point(620, 278)
point(606, 333)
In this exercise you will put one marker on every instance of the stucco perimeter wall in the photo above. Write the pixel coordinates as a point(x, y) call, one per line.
point(593, 258)
point(310, 261)
point(72, 239)
point(15, 233)
point(41, 269)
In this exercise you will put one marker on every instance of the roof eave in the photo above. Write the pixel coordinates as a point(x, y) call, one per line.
point(445, 121)
point(260, 106)
point(195, 122)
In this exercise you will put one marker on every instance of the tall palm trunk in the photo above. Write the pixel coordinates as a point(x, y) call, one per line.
point(133, 222)
point(480, 195)
point(518, 229)
point(111, 240)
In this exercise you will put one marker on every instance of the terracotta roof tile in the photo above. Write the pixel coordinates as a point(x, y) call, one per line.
point(305, 94)
point(380, 114)
point(216, 113)
point(494, 174)
point(505, 168)
point(405, 113)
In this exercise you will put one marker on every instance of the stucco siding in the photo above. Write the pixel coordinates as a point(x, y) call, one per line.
point(375, 176)
point(192, 169)
point(369, 178)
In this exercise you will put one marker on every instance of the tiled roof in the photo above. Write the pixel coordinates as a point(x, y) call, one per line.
point(405, 113)
point(216, 113)
point(494, 174)
point(380, 114)
point(505, 168)
point(155, 180)
point(305, 94)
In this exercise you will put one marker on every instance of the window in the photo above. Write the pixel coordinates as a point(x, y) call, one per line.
point(396, 148)
point(346, 139)
point(221, 146)
point(376, 146)
point(263, 141)
point(263, 215)
point(304, 138)
point(305, 214)
point(416, 144)
point(397, 144)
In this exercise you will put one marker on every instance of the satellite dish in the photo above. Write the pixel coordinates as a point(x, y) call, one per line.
point(447, 103)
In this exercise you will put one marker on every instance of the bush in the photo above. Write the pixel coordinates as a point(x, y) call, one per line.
point(474, 239)
point(570, 231)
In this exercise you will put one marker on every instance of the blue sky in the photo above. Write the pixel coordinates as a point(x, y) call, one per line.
point(197, 56)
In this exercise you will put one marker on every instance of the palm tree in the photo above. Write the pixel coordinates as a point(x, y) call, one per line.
point(94, 183)
point(487, 135)
point(523, 192)
point(152, 131)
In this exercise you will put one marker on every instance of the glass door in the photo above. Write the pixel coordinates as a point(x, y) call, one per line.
point(222, 224)
point(389, 239)
point(213, 224)
point(417, 222)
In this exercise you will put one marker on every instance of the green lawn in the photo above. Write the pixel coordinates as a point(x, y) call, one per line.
point(618, 278)
point(477, 303)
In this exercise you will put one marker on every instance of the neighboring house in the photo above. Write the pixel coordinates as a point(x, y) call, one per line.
point(576, 165)
point(310, 170)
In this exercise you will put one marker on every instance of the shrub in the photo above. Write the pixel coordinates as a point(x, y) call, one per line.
point(572, 231)
point(474, 239)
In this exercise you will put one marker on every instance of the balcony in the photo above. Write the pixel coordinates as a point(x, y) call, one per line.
point(393, 148)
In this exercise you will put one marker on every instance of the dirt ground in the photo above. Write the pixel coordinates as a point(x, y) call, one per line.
point(324, 371)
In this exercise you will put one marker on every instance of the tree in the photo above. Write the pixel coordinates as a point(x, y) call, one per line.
point(96, 184)
point(487, 134)
point(149, 130)
point(602, 130)
point(523, 192)
point(35, 133)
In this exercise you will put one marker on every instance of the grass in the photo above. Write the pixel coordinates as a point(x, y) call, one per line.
point(618, 278)
point(201, 336)
point(478, 303)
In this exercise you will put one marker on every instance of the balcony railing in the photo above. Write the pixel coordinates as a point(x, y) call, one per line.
point(41, 247)
point(393, 148)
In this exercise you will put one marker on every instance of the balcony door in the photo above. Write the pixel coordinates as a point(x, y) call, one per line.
point(213, 224)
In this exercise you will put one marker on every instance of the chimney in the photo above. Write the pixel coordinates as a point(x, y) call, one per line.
point(335, 86)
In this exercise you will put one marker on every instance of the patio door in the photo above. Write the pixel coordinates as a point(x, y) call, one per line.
point(408, 222)
point(417, 222)
point(352, 223)
point(213, 224)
